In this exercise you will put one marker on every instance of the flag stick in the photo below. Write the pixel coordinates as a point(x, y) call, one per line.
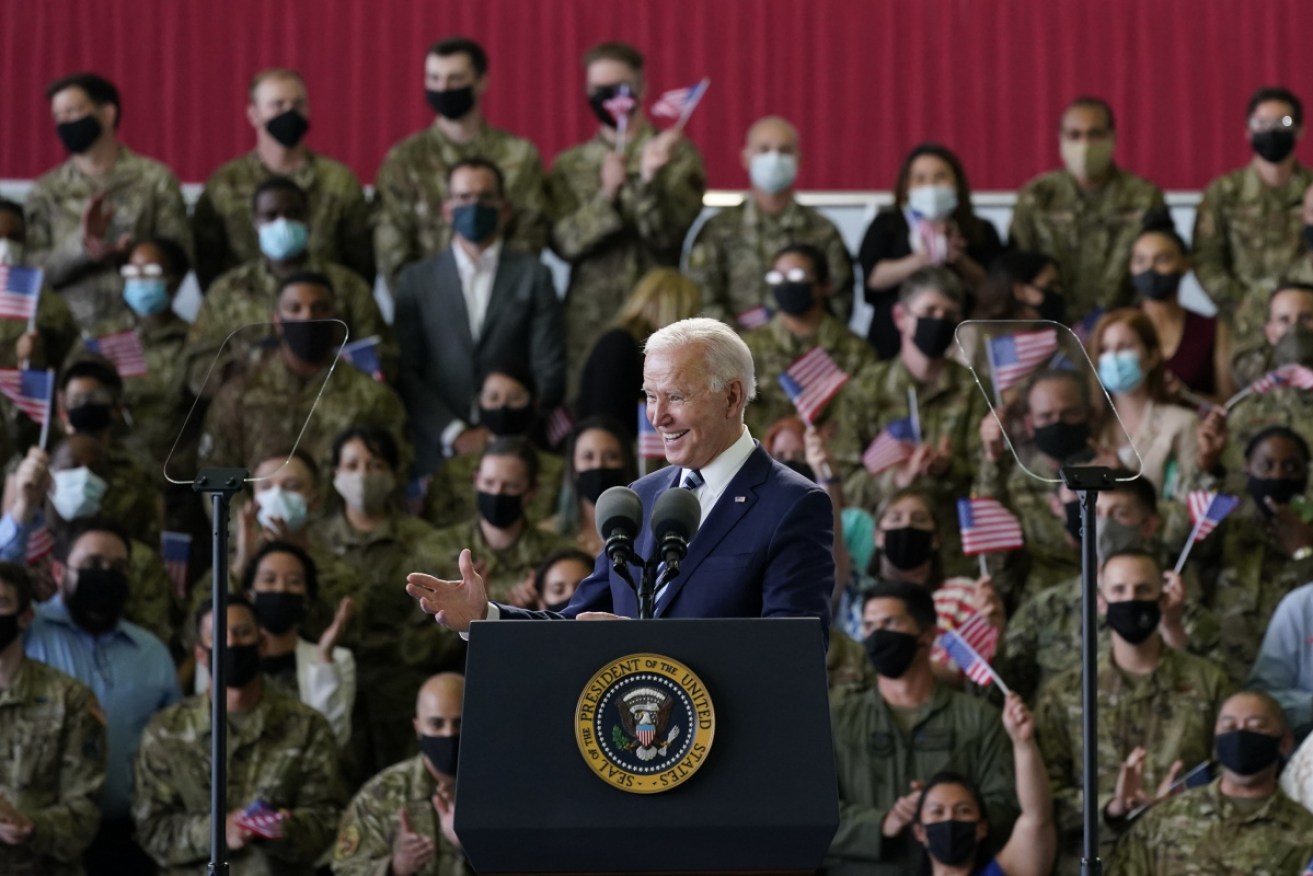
point(984, 567)
point(1194, 532)
point(50, 408)
point(993, 381)
point(621, 125)
point(998, 679)
point(687, 111)
point(915, 412)
point(1238, 397)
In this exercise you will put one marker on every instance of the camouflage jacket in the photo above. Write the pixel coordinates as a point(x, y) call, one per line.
point(280, 751)
point(52, 734)
point(506, 568)
point(733, 250)
point(339, 217)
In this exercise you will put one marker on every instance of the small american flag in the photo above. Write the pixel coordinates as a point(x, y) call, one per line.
point(559, 425)
point(30, 390)
point(175, 549)
point(987, 526)
point(1294, 375)
point(40, 544)
point(811, 382)
point(364, 355)
point(124, 349)
point(620, 106)
point(975, 667)
point(980, 634)
point(263, 819)
point(754, 318)
point(20, 290)
point(650, 445)
point(1207, 509)
point(893, 446)
point(1012, 357)
point(680, 102)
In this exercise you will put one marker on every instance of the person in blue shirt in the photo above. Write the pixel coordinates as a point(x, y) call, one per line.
point(81, 632)
point(1284, 667)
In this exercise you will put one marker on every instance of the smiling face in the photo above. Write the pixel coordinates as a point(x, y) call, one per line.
point(696, 423)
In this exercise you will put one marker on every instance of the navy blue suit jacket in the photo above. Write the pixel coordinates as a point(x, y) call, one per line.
point(765, 550)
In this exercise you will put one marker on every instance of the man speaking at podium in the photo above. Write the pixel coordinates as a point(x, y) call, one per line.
point(765, 544)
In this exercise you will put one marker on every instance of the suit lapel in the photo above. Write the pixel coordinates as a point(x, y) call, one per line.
point(721, 521)
point(450, 302)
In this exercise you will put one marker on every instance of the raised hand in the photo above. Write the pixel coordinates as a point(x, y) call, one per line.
point(454, 604)
point(411, 851)
point(334, 632)
point(444, 803)
point(1017, 719)
point(902, 813)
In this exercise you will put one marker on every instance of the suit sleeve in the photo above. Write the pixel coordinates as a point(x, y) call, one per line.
point(428, 413)
point(799, 574)
point(547, 339)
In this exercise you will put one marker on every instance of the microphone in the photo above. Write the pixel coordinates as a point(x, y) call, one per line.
point(675, 520)
point(619, 514)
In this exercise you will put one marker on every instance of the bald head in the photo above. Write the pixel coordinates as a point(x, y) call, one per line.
point(772, 132)
point(438, 706)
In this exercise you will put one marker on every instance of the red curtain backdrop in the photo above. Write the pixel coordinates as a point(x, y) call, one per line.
point(863, 79)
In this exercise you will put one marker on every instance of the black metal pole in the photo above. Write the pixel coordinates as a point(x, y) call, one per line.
point(1090, 863)
point(221, 484)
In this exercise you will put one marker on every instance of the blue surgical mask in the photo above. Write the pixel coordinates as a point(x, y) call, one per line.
point(283, 238)
point(773, 172)
point(475, 222)
point(1120, 371)
point(146, 296)
point(932, 202)
point(285, 505)
point(77, 493)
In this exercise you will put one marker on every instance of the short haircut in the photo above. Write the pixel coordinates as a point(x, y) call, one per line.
point(99, 370)
point(917, 601)
point(204, 608)
point(459, 45)
point(1141, 488)
point(97, 88)
point(727, 356)
point(1269, 702)
point(1278, 432)
point(1136, 553)
point(1088, 101)
point(478, 162)
point(517, 370)
point(1287, 286)
point(17, 577)
point(518, 447)
point(176, 263)
point(569, 553)
point(278, 184)
point(934, 277)
point(308, 278)
point(69, 535)
point(282, 547)
point(1277, 92)
point(273, 73)
point(820, 264)
point(377, 440)
point(13, 207)
point(615, 51)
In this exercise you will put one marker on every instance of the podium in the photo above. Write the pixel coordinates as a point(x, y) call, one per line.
point(538, 791)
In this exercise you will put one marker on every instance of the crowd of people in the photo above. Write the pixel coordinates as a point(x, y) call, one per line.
point(495, 413)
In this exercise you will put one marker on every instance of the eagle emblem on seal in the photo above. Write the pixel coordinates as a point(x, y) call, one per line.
point(645, 717)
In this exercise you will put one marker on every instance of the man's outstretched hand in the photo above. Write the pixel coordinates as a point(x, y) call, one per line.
point(454, 604)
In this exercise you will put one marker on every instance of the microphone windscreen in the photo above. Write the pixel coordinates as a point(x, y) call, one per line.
point(676, 511)
point(618, 508)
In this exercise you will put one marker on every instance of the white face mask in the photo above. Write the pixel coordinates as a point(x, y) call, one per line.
point(76, 493)
point(11, 252)
point(932, 202)
point(366, 492)
point(285, 505)
point(773, 172)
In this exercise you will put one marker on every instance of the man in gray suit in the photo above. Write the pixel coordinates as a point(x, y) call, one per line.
point(467, 307)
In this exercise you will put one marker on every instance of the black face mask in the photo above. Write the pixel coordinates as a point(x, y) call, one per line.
point(794, 299)
point(1053, 307)
point(1062, 440)
point(451, 104)
point(241, 664)
point(908, 547)
point(288, 128)
point(1134, 619)
point(501, 510)
point(506, 420)
point(595, 481)
point(801, 468)
point(278, 612)
point(1245, 752)
point(97, 602)
point(891, 652)
point(1273, 146)
point(79, 136)
point(597, 100)
point(1155, 286)
point(443, 752)
point(933, 335)
point(1279, 490)
point(311, 341)
point(1071, 518)
point(278, 664)
point(90, 417)
point(1114, 537)
point(8, 630)
point(951, 842)
point(1308, 236)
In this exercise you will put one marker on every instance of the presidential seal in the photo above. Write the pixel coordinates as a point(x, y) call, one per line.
point(645, 723)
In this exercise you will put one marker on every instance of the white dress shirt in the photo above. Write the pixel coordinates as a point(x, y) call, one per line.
point(476, 278)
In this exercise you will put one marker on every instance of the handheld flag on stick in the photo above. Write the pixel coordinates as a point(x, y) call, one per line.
point(649, 441)
point(123, 350)
point(30, 390)
point(893, 446)
point(20, 291)
point(364, 355)
point(754, 318)
point(175, 550)
point(975, 667)
point(1207, 509)
point(1012, 357)
point(679, 103)
point(620, 107)
point(811, 382)
point(987, 527)
point(559, 425)
point(40, 544)
point(1294, 376)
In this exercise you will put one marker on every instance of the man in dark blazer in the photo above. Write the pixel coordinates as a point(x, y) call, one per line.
point(466, 308)
point(765, 545)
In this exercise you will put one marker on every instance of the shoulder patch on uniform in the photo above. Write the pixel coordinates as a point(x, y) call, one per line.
point(347, 843)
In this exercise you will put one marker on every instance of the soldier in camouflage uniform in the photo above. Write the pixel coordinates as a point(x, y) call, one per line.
point(801, 285)
point(1286, 337)
point(412, 183)
point(83, 215)
point(505, 544)
point(246, 293)
point(1087, 215)
point(1241, 824)
point(617, 214)
point(400, 823)
point(339, 216)
point(53, 762)
point(730, 256)
point(1156, 709)
point(1248, 228)
point(280, 752)
point(261, 412)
